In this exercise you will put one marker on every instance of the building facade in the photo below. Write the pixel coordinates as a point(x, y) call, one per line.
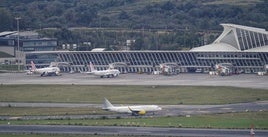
point(28, 41)
point(43, 44)
point(244, 47)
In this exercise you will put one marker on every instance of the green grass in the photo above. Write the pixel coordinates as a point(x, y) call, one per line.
point(135, 95)
point(230, 120)
point(130, 94)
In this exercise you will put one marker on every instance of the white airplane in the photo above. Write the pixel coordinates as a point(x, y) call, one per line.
point(224, 69)
point(134, 110)
point(109, 73)
point(47, 71)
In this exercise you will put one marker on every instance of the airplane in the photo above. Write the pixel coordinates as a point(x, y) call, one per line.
point(47, 71)
point(109, 73)
point(224, 69)
point(136, 110)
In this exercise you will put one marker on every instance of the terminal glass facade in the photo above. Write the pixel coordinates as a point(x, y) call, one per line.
point(147, 61)
point(246, 48)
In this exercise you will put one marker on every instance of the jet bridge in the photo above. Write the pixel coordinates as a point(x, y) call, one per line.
point(121, 66)
point(224, 69)
point(169, 68)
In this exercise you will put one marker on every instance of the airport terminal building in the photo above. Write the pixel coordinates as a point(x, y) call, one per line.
point(244, 47)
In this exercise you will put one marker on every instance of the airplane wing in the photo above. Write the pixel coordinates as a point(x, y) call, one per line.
point(87, 72)
point(50, 72)
point(29, 72)
point(108, 74)
point(113, 73)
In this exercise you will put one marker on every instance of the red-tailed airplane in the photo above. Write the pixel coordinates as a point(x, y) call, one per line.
point(47, 71)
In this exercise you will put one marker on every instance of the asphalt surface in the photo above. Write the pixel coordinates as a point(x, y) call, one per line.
point(242, 80)
point(137, 131)
point(167, 110)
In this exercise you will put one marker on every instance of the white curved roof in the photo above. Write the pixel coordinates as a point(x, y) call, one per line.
point(259, 30)
point(2, 34)
point(238, 38)
point(215, 47)
point(259, 49)
point(98, 49)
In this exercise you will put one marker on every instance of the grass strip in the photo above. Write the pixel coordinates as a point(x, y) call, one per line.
point(241, 120)
point(130, 94)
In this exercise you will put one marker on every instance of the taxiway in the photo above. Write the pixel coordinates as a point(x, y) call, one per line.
point(199, 79)
point(243, 80)
point(128, 131)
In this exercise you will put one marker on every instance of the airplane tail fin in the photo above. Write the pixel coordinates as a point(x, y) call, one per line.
point(33, 66)
point(106, 104)
point(91, 67)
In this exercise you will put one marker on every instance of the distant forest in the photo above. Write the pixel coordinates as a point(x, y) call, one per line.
point(154, 24)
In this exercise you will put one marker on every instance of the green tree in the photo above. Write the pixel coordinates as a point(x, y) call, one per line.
point(123, 15)
point(6, 20)
point(138, 45)
point(85, 15)
point(65, 35)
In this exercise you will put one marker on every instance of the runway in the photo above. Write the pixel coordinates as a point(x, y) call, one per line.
point(128, 131)
point(197, 79)
point(243, 80)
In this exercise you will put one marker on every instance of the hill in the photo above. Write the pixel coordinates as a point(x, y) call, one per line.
point(178, 16)
point(202, 14)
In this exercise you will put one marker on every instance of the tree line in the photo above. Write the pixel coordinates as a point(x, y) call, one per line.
point(184, 17)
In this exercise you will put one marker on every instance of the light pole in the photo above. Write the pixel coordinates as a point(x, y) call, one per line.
point(18, 42)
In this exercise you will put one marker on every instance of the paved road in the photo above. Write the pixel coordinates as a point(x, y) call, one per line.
point(243, 80)
point(100, 130)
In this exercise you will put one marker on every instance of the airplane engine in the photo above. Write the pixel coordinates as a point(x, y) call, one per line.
point(29, 72)
point(44, 74)
point(137, 112)
point(142, 112)
point(57, 73)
